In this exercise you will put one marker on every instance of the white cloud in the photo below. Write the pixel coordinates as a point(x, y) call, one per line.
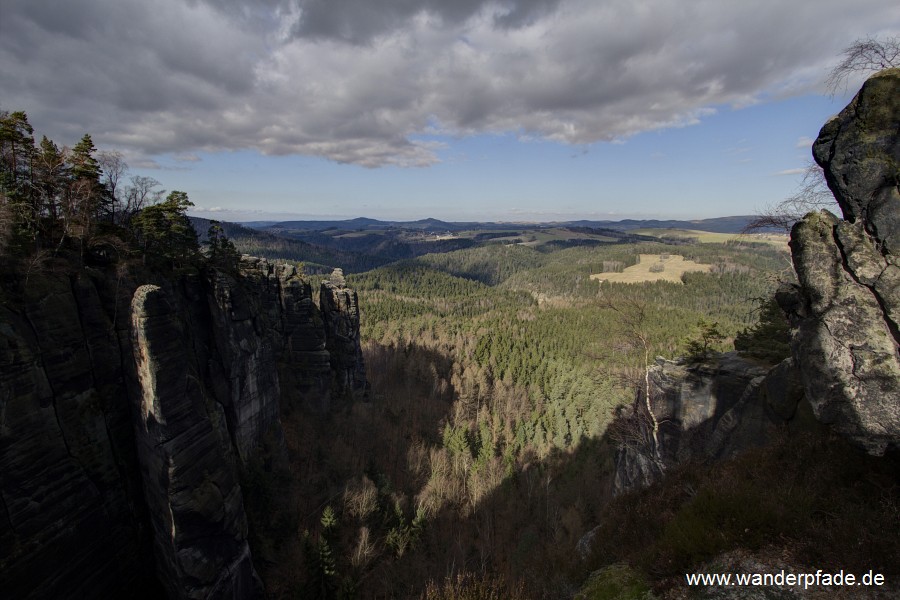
point(355, 81)
point(797, 171)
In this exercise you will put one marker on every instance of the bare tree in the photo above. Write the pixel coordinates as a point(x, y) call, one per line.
point(114, 168)
point(812, 194)
point(633, 317)
point(865, 55)
point(141, 193)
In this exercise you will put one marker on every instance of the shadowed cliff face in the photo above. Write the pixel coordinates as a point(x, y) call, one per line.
point(127, 412)
point(846, 309)
point(710, 411)
point(340, 307)
point(190, 483)
point(69, 525)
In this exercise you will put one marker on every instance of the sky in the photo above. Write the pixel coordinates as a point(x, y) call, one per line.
point(513, 110)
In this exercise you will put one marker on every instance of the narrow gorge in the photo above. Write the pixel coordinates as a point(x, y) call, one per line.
point(131, 412)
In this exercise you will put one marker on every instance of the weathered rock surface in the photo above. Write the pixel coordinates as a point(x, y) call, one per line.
point(846, 309)
point(190, 482)
point(859, 150)
point(340, 309)
point(67, 474)
point(711, 411)
point(121, 431)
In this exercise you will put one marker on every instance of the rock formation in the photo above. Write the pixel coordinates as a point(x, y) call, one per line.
point(711, 411)
point(340, 308)
point(190, 483)
point(846, 309)
point(127, 411)
point(68, 478)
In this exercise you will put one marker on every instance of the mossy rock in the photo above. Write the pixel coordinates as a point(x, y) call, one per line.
point(615, 582)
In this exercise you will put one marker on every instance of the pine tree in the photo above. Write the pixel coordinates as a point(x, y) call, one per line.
point(320, 560)
point(16, 194)
point(770, 338)
point(164, 230)
point(700, 348)
point(84, 165)
point(222, 253)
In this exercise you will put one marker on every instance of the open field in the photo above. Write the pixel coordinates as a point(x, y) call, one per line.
point(708, 237)
point(654, 267)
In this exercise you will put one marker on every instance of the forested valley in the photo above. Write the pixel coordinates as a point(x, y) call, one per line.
point(503, 374)
point(486, 449)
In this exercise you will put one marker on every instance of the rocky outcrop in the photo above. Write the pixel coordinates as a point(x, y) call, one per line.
point(845, 311)
point(859, 150)
point(126, 413)
point(190, 480)
point(340, 309)
point(709, 411)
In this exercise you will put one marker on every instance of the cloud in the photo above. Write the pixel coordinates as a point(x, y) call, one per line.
point(357, 81)
point(798, 171)
point(804, 142)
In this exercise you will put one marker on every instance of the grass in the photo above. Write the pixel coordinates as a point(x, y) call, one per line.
point(615, 582)
point(654, 267)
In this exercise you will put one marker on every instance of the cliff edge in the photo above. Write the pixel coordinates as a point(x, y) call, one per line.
point(845, 311)
point(131, 403)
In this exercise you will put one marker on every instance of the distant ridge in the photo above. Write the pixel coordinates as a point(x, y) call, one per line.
point(734, 224)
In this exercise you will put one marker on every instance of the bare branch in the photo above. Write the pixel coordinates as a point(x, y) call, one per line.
point(141, 193)
point(868, 55)
point(812, 194)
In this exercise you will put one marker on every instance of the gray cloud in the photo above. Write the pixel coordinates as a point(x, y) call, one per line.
point(355, 81)
point(358, 21)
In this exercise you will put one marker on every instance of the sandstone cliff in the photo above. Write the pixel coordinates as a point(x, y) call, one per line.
point(127, 411)
point(710, 411)
point(846, 309)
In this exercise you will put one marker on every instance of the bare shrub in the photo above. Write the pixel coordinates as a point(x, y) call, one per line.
point(865, 55)
point(365, 549)
point(361, 498)
point(812, 194)
point(468, 586)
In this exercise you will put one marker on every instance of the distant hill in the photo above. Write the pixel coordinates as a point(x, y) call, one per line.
point(361, 244)
point(317, 259)
point(734, 224)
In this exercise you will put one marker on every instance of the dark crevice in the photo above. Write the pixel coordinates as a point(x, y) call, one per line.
point(7, 514)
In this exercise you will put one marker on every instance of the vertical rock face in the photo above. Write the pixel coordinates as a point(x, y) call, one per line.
point(244, 367)
point(859, 150)
point(190, 484)
point(340, 310)
point(126, 412)
point(707, 412)
point(846, 309)
point(67, 528)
